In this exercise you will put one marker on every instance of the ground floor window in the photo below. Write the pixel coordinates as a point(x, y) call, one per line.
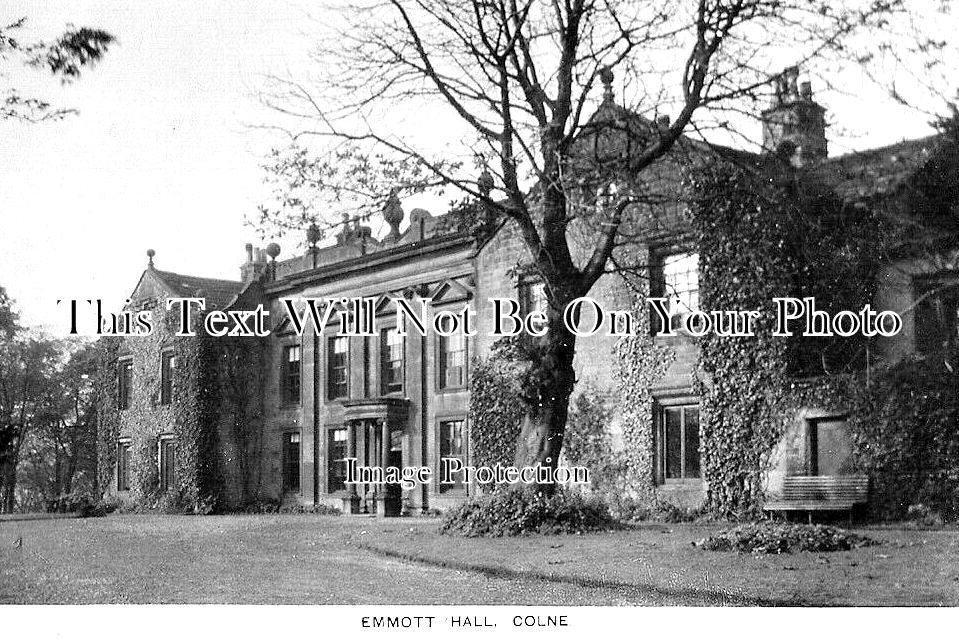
point(677, 443)
point(336, 453)
point(291, 462)
point(830, 447)
point(123, 465)
point(452, 445)
point(167, 463)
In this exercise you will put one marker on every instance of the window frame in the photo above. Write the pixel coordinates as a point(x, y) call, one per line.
point(660, 441)
point(124, 383)
point(290, 476)
point(331, 461)
point(166, 467)
point(124, 450)
point(457, 488)
point(659, 288)
point(332, 386)
point(287, 372)
point(442, 371)
point(167, 373)
point(386, 362)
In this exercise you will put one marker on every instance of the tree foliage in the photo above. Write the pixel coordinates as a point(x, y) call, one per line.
point(65, 57)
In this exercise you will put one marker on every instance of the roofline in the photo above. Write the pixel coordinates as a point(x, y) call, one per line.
point(369, 261)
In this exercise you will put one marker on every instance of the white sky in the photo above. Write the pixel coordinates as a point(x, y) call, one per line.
point(160, 155)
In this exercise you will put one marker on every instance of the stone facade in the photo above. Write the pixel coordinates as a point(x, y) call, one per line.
point(292, 406)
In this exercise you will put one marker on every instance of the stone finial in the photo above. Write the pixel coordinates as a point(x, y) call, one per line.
point(150, 254)
point(273, 250)
point(393, 215)
point(606, 77)
point(313, 235)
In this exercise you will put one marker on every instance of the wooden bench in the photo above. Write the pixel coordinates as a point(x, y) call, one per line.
point(821, 493)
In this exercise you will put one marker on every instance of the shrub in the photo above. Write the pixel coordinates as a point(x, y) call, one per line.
point(629, 509)
point(784, 538)
point(527, 511)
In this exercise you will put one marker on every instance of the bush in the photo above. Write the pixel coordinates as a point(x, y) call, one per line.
point(784, 538)
point(629, 509)
point(527, 511)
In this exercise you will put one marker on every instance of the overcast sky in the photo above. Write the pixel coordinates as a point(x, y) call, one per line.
point(160, 155)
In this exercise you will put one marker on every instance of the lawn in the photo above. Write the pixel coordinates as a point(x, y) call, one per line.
point(305, 559)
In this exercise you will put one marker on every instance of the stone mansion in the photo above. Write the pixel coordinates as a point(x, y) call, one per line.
point(309, 401)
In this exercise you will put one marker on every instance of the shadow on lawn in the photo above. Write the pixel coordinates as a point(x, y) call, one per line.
point(691, 595)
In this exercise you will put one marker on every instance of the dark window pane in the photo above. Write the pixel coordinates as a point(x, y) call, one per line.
point(452, 361)
point(123, 466)
point(124, 384)
point(391, 356)
point(452, 445)
point(167, 464)
point(291, 462)
point(691, 431)
point(290, 372)
point(337, 367)
point(167, 367)
point(337, 452)
point(673, 440)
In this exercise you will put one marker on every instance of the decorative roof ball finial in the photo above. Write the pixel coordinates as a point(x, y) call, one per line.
point(273, 250)
point(313, 234)
point(606, 77)
point(150, 254)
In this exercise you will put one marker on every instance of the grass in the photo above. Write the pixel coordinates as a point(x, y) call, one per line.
point(307, 559)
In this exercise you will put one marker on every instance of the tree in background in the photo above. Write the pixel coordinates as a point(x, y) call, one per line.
point(65, 58)
point(523, 77)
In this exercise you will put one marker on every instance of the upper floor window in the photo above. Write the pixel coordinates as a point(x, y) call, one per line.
point(337, 369)
point(124, 383)
point(391, 357)
point(290, 373)
point(677, 443)
point(678, 281)
point(167, 368)
point(291, 462)
point(453, 360)
point(937, 313)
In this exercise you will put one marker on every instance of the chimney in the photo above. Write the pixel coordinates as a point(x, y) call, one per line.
point(255, 264)
point(794, 125)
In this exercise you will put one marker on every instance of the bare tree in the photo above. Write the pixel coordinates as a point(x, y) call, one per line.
point(529, 81)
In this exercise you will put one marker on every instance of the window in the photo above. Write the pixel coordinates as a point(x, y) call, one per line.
point(830, 447)
point(336, 454)
point(452, 361)
point(124, 383)
point(167, 366)
point(679, 282)
point(290, 372)
point(677, 443)
point(291, 462)
point(337, 370)
point(937, 314)
point(391, 358)
point(167, 447)
point(368, 366)
point(452, 445)
point(123, 465)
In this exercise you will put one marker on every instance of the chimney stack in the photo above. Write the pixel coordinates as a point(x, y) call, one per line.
point(794, 125)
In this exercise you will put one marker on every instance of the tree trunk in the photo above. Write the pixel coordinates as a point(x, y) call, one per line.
point(548, 388)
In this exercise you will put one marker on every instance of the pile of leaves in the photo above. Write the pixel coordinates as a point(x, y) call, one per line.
point(526, 511)
point(766, 537)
